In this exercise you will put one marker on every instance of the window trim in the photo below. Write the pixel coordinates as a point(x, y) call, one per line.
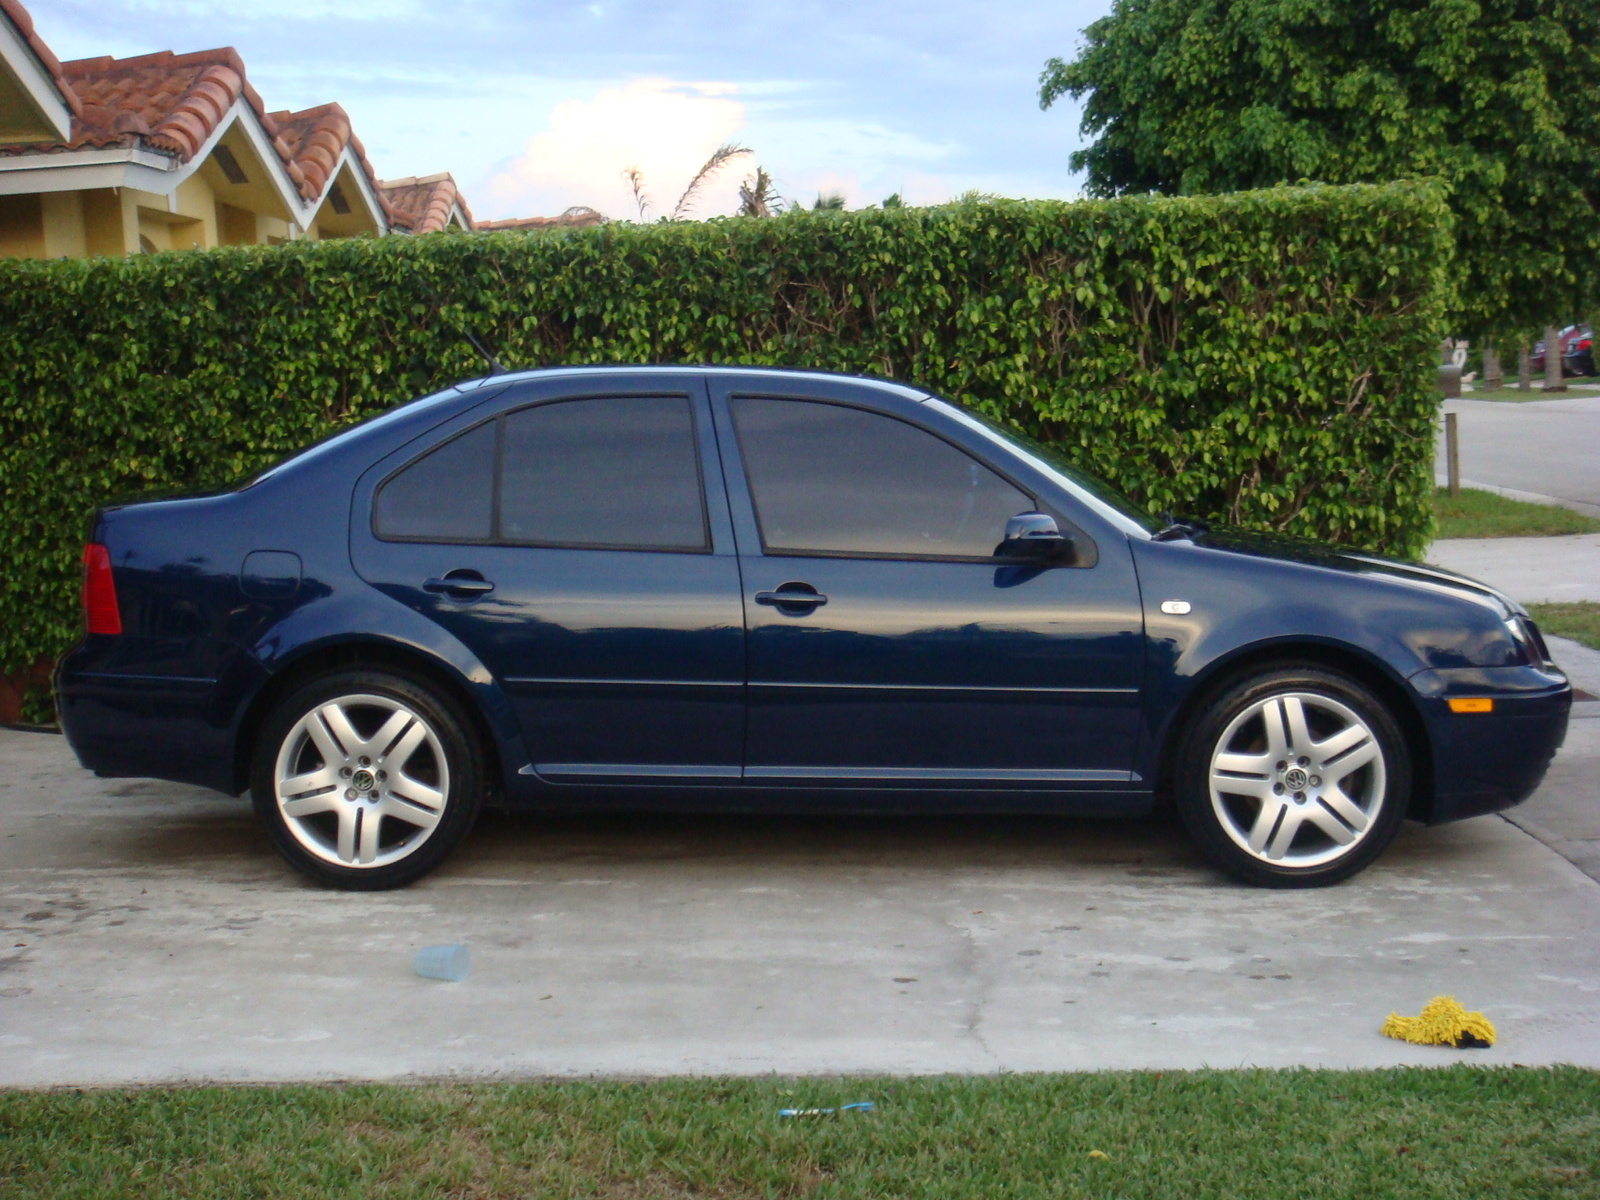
point(496, 538)
point(768, 551)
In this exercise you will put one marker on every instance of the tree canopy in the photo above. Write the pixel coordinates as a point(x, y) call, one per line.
point(1499, 98)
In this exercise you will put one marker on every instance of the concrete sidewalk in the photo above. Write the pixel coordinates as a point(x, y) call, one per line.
point(1532, 570)
point(149, 934)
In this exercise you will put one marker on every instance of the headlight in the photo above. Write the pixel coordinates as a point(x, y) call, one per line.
point(1526, 634)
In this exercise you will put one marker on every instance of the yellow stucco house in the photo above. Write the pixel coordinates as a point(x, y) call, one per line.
point(166, 151)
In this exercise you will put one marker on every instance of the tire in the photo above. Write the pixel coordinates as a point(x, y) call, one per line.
point(366, 779)
point(1297, 776)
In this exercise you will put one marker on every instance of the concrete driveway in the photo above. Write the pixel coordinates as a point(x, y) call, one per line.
point(149, 934)
point(1544, 448)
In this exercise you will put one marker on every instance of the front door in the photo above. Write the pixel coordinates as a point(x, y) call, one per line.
point(572, 545)
point(886, 644)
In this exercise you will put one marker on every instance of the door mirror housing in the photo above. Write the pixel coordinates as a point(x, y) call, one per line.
point(1034, 537)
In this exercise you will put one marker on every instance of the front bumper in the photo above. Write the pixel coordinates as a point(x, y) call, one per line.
point(1485, 762)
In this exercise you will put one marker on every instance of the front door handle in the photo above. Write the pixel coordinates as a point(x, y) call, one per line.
point(793, 598)
point(463, 585)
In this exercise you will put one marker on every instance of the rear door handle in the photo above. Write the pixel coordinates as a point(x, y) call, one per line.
point(461, 586)
point(792, 599)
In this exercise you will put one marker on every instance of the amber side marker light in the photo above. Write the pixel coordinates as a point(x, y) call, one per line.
point(1471, 705)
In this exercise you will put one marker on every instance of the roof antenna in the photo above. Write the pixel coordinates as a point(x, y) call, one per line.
point(494, 364)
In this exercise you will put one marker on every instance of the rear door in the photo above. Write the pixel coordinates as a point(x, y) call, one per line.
point(573, 544)
point(887, 645)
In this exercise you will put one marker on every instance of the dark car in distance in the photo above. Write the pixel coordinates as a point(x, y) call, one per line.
point(1577, 352)
point(649, 588)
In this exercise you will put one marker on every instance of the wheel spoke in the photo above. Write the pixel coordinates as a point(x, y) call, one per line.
point(397, 757)
point(1281, 840)
point(1242, 785)
point(1299, 734)
point(322, 738)
point(1257, 766)
point(403, 787)
point(347, 832)
point(321, 780)
point(1345, 808)
point(411, 814)
point(1330, 748)
point(338, 724)
point(1277, 739)
point(1329, 824)
point(380, 742)
point(370, 824)
point(1353, 761)
point(309, 806)
point(1266, 820)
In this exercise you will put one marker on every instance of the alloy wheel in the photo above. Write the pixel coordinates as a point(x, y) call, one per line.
point(1298, 779)
point(361, 781)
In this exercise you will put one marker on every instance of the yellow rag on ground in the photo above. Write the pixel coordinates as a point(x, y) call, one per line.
point(1442, 1022)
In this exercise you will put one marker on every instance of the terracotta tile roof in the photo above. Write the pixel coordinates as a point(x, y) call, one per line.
point(576, 217)
point(173, 103)
point(18, 16)
point(422, 204)
point(317, 137)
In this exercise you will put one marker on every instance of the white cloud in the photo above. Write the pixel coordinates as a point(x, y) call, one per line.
point(664, 128)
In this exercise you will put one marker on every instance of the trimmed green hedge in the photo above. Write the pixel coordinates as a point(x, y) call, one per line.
point(1262, 358)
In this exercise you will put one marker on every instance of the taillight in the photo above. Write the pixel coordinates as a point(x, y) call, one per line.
point(100, 612)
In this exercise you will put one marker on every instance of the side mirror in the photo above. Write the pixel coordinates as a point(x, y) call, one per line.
point(1034, 537)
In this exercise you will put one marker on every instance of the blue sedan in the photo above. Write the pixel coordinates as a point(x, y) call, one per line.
point(656, 587)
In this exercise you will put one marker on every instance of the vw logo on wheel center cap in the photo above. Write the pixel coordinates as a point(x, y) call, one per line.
point(1294, 779)
point(363, 780)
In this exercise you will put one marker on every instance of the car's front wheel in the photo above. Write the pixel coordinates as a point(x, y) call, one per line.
point(366, 779)
point(1293, 777)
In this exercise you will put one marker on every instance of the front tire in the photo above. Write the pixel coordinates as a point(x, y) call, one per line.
point(366, 779)
point(1293, 777)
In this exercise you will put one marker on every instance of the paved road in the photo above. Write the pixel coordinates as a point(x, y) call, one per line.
point(150, 935)
point(1542, 447)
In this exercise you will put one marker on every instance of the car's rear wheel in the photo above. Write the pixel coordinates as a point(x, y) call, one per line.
point(1293, 777)
point(366, 779)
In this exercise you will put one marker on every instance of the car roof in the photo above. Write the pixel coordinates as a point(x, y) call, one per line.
point(710, 369)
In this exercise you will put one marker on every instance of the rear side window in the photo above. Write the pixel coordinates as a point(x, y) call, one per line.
point(618, 472)
point(446, 495)
point(827, 479)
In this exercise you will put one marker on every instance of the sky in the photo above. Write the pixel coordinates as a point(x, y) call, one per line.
point(537, 105)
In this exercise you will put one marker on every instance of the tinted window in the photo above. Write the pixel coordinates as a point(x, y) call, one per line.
point(619, 471)
point(445, 494)
point(844, 481)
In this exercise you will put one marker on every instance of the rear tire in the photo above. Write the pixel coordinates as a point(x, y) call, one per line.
point(366, 779)
point(1297, 776)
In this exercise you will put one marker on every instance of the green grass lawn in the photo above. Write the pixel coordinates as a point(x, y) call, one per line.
point(1444, 1132)
point(1516, 395)
point(1579, 620)
point(1476, 514)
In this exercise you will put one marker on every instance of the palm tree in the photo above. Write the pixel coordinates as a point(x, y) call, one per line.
point(829, 202)
point(720, 158)
point(757, 198)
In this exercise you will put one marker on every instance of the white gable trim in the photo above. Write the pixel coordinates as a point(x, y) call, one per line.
point(23, 63)
point(145, 170)
point(368, 196)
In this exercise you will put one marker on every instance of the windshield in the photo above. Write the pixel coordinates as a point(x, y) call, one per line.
point(1111, 503)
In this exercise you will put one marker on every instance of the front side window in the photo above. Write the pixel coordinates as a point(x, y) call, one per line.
point(619, 472)
point(827, 479)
